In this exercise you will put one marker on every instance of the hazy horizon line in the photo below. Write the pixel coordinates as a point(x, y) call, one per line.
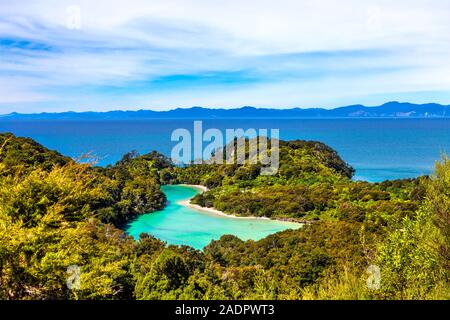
point(226, 108)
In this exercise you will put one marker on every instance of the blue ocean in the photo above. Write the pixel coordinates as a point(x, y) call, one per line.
point(378, 149)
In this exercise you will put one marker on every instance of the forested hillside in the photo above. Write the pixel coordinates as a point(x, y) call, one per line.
point(56, 213)
point(312, 183)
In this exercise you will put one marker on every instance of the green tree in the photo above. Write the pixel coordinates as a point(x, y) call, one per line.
point(168, 274)
point(414, 259)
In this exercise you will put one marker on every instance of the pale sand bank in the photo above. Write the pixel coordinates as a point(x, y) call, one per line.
point(196, 186)
point(188, 204)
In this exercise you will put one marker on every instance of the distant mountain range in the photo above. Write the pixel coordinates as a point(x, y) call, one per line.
point(387, 110)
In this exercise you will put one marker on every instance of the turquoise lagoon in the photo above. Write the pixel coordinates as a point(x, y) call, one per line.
point(181, 225)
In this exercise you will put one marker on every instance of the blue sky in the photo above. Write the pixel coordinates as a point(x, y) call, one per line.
point(162, 54)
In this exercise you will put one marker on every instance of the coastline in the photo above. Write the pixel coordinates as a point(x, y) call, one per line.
point(187, 203)
point(195, 186)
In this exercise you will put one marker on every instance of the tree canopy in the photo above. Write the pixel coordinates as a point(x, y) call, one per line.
point(61, 236)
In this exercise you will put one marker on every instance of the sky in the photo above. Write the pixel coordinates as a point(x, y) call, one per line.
point(58, 55)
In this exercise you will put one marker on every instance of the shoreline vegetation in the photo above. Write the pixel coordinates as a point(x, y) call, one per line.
point(56, 213)
point(188, 204)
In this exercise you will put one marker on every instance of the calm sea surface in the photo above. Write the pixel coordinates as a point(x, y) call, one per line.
point(377, 148)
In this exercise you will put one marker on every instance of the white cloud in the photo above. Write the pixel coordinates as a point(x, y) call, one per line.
point(373, 47)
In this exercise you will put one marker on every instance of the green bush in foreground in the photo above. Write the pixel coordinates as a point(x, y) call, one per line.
point(59, 220)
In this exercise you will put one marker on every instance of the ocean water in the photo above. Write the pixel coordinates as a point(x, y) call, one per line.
point(378, 149)
point(177, 224)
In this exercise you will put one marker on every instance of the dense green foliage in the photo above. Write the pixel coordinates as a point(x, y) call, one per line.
point(299, 161)
point(18, 153)
point(133, 187)
point(312, 183)
point(128, 188)
point(56, 213)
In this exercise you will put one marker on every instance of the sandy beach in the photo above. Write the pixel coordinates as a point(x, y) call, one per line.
point(196, 186)
point(188, 204)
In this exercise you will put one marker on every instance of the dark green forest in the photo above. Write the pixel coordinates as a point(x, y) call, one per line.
point(56, 212)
